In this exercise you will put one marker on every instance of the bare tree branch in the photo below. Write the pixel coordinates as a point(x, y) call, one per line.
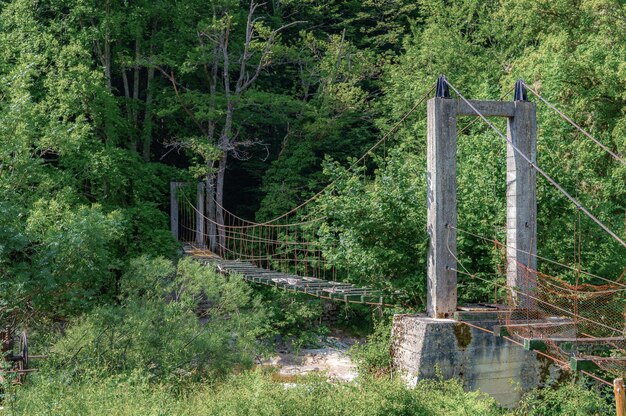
point(180, 100)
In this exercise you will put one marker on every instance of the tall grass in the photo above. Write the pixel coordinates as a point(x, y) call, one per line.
point(252, 393)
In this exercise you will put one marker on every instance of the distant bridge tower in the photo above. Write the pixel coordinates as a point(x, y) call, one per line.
point(521, 197)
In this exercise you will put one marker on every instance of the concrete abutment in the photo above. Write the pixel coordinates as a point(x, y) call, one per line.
point(428, 348)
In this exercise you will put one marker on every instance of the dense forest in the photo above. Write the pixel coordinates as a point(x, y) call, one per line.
point(103, 103)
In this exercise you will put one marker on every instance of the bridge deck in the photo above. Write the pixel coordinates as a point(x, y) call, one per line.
point(338, 291)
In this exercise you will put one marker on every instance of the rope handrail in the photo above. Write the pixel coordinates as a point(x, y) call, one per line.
point(257, 224)
point(519, 292)
point(538, 169)
point(255, 239)
point(273, 257)
point(252, 224)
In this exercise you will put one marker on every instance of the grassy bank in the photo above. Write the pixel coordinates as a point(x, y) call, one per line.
point(251, 393)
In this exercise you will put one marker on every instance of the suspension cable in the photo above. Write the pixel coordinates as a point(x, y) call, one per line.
point(570, 121)
point(534, 165)
point(355, 163)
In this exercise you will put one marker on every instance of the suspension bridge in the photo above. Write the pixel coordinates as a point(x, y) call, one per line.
point(578, 320)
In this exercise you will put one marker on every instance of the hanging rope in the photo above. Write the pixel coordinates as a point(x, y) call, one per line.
point(501, 244)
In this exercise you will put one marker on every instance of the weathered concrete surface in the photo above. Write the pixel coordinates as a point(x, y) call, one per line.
point(174, 208)
point(425, 347)
point(486, 108)
point(200, 205)
point(521, 203)
point(441, 217)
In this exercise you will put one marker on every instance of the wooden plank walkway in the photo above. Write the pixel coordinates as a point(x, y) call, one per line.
point(574, 345)
point(338, 291)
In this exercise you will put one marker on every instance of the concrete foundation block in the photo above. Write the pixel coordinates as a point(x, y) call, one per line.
point(424, 348)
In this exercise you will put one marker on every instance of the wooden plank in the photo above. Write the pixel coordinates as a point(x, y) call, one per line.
point(476, 308)
point(582, 364)
point(590, 341)
point(539, 325)
point(358, 290)
point(480, 315)
point(501, 330)
point(571, 344)
point(496, 314)
point(341, 288)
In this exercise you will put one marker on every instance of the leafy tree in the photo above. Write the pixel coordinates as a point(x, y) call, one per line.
point(70, 187)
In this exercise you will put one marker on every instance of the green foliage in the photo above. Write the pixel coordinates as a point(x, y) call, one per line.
point(146, 278)
point(363, 236)
point(253, 393)
point(76, 262)
point(374, 356)
point(293, 316)
point(572, 398)
point(335, 120)
point(76, 204)
point(172, 325)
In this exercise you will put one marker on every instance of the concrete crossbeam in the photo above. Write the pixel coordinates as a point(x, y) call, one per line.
point(486, 108)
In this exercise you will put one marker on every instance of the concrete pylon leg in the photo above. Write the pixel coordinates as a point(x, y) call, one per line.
point(521, 201)
point(174, 209)
point(441, 171)
point(200, 217)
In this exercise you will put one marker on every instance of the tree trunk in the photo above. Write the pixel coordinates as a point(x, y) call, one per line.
point(146, 134)
point(129, 108)
point(147, 118)
point(106, 58)
point(136, 82)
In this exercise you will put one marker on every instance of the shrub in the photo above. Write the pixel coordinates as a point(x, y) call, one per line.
point(374, 355)
point(294, 316)
point(249, 394)
point(165, 339)
point(572, 399)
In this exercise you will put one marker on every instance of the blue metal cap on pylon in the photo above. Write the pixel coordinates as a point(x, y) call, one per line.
point(520, 91)
point(442, 90)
